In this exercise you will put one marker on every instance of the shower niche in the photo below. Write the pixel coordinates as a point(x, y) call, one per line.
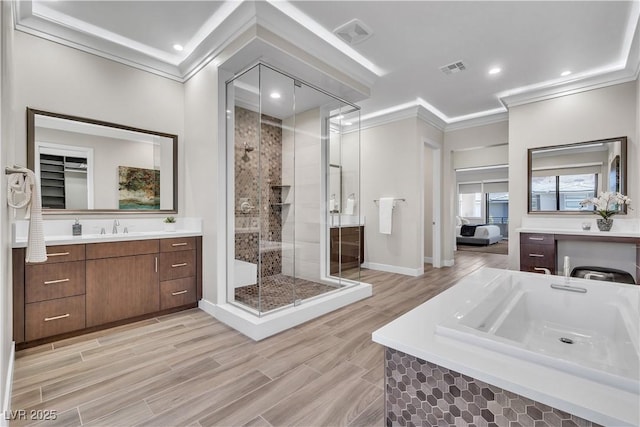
point(284, 138)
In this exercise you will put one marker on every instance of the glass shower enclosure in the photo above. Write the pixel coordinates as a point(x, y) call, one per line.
point(294, 230)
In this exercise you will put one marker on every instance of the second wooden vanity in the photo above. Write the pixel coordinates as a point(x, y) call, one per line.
point(84, 287)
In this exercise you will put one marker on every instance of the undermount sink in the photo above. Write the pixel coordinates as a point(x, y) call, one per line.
point(123, 235)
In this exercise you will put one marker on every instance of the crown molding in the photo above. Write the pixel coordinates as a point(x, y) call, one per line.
point(624, 75)
point(406, 112)
point(478, 121)
point(277, 25)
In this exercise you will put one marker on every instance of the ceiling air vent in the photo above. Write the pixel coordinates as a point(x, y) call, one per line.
point(353, 32)
point(454, 67)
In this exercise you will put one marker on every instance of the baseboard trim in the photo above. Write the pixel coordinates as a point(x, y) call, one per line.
point(394, 269)
point(428, 260)
point(6, 404)
point(448, 263)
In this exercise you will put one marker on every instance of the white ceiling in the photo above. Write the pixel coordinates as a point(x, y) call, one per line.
point(532, 42)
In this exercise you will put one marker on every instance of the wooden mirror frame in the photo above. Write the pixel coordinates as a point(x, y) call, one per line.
point(31, 156)
point(623, 174)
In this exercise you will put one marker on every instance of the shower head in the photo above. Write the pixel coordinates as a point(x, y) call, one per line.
point(248, 148)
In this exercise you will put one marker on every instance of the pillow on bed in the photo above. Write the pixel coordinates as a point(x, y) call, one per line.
point(465, 221)
point(468, 230)
point(458, 221)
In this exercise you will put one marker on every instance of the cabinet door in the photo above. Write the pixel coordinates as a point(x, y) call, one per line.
point(120, 288)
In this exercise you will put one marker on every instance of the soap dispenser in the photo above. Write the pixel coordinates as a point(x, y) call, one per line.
point(76, 229)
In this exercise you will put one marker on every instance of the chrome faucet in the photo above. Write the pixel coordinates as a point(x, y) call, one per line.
point(116, 223)
point(567, 269)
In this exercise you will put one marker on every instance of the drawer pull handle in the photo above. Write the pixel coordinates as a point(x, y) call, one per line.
point(49, 319)
point(51, 282)
point(179, 292)
point(59, 254)
point(536, 238)
point(179, 244)
point(182, 264)
point(536, 255)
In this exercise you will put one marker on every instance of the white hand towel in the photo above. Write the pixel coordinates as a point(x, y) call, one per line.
point(26, 185)
point(386, 214)
point(351, 204)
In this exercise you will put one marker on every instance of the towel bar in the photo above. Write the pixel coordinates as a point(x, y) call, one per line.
point(395, 200)
point(13, 169)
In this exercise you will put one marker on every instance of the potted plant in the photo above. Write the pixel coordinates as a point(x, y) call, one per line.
point(169, 224)
point(606, 205)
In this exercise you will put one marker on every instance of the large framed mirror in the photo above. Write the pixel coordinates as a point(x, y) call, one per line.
point(92, 166)
point(562, 176)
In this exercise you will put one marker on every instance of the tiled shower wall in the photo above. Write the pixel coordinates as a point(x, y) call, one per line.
point(420, 393)
point(254, 180)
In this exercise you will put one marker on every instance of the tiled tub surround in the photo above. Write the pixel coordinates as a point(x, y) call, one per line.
point(587, 397)
point(419, 393)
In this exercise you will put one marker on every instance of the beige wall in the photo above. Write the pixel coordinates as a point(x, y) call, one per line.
point(485, 156)
point(391, 161)
point(456, 140)
point(430, 138)
point(597, 114)
point(56, 78)
point(203, 189)
point(7, 157)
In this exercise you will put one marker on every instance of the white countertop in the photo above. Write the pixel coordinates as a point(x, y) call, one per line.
point(414, 333)
point(58, 231)
point(103, 238)
point(594, 232)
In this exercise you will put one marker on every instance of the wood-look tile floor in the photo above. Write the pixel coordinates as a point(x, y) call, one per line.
point(188, 369)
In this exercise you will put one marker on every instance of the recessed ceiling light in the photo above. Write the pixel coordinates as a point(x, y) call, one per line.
point(495, 70)
point(340, 117)
point(275, 95)
point(348, 123)
point(178, 47)
point(565, 73)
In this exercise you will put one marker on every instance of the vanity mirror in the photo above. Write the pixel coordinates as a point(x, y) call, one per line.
point(561, 176)
point(92, 166)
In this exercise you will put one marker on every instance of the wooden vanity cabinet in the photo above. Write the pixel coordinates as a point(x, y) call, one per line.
point(54, 301)
point(537, 251)
point(178, 267)
point(121, 287)
point(85, 287)
point(346, 248)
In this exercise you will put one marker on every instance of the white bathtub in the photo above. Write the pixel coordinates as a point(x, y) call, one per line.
point(593, 334)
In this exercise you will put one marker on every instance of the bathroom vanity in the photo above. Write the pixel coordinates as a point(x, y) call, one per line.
point(539, 247)
point(346, 247)
point(100, 282)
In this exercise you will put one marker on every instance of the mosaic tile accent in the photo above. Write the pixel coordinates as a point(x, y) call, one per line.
point(420, 393)
point(277, 291)
point(255, 173)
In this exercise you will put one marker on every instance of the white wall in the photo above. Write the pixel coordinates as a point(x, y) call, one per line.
point(6, 158)
point(203, 189)
point(462, 139)
point(304, 219)
point(391, 167)
point(597, 114)
point(56, 78)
